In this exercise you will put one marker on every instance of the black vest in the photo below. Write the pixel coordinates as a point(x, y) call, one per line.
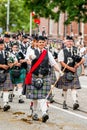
point(3, 59)
point(43, 68)
point(68, 57)
point(23, 48)
point(75, 57)
point(21, 56)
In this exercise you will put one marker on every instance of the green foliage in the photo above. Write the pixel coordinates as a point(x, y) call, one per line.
point(18, 16)
point(76, 9)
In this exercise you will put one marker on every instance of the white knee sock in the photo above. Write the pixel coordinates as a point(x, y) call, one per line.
point(65, 95)
point(11, 92)
point(74, 95)
point(20, 91)
point(35, 104)
point(5, 97)
point(43, 106)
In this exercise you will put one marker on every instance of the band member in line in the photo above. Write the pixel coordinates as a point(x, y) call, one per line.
point(5, 82)
point(38, 82)
point(69, 59)
point(18, 69)
point(7, 42)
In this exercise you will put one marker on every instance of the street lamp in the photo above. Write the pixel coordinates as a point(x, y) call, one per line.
point(30, 23)
point(7, 23)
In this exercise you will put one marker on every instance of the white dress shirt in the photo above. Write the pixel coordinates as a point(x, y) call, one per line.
point(30, 51)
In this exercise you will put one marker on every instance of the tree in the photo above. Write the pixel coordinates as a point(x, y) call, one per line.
point(19, 15)
point(76, 10)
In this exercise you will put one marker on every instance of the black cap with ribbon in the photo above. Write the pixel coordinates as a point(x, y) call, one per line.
point(69, 38)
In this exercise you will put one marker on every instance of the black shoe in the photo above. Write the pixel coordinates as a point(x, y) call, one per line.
point(35, 117)
point(6, 108)
point(45, 117)
point(52, 100)
point(21, 101)
point(75, 106)
point(65, 105)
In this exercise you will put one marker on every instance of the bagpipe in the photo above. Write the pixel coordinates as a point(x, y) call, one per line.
point(76, 58)
point(20, 56)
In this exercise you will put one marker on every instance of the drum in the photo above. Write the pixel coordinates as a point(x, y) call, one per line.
point(79, 70)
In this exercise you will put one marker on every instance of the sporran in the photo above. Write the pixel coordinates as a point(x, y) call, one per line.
point(70, 76)
point(38, 83)
point(79, 70)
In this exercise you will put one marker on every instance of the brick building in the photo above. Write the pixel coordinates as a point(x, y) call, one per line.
point(53, 29)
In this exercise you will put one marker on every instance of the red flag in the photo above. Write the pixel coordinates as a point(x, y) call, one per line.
point(37, 21)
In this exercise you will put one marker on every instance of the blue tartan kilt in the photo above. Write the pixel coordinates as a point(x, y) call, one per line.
point(20, 79)
point(7, 85)
point(63, 83)
point(33, 93)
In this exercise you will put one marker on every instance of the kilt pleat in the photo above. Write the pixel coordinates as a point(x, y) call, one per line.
point(63, 83)
point(20, 79)
point(7, 85)
point(33, 93)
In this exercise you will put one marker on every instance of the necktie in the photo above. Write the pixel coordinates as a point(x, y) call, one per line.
point(40, 51)
point(69, 51)
point(1, 53)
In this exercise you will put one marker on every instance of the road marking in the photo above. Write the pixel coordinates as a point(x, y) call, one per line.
point(84, 86)
point(69, 112)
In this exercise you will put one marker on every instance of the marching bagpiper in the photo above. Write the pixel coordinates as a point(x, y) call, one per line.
point(70, 60)
point(18, 69)
point(38, 82)
point(5, 82)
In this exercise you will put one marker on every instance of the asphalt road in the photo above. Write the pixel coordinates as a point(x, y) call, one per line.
point(18, 117)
